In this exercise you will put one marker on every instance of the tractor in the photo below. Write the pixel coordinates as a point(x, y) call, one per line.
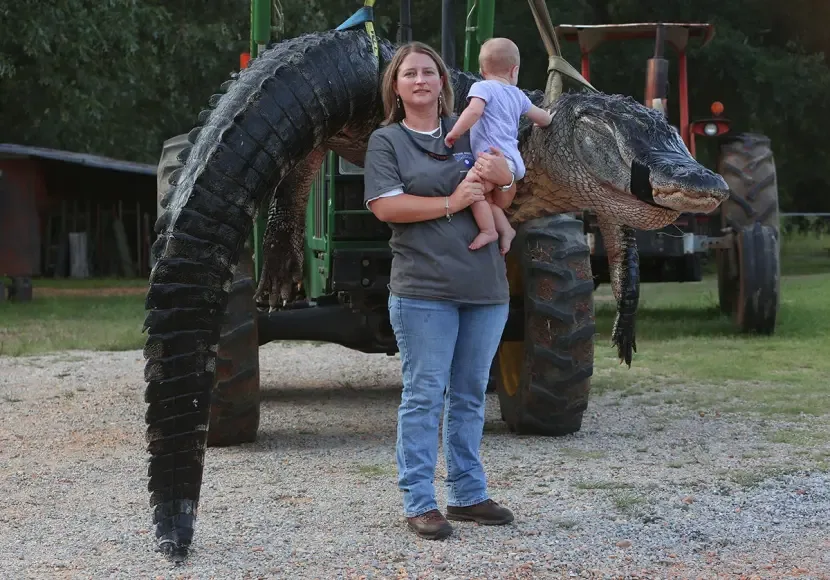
point(543, 388)
point(744, 231)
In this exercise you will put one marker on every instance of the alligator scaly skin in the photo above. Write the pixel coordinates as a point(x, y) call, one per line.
point(313, 93)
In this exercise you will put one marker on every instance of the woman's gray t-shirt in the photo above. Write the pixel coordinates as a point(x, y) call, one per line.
point(431, 259)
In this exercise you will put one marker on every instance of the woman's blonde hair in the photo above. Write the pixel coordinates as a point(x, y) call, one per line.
point(395, 113)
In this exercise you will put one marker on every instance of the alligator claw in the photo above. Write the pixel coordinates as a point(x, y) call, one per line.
point(623, 338)
point(278, 288)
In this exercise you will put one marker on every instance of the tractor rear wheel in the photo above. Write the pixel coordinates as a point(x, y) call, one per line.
point(747, 164)
point(234, 406)
point(756, 306)
point(543, 381)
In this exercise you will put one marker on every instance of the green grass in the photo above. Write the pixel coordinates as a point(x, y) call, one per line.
point(752, 477)
point(799, 437)
point(689, 353)
point(683, 339)
point(373, 470)
point(580, 454)
point(805, 254)
point(629, 503)
point(71, 322)
point(89, 283)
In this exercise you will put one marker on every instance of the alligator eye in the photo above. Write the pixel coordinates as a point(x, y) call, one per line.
point(640, 184)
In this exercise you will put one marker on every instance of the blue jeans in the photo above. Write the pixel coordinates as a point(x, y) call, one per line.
point(446, 349)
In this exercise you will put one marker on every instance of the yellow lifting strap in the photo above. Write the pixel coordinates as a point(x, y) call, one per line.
point(558, 64)
point(366, 17)
point(370, 28)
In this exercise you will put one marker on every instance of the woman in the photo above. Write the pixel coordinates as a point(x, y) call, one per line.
point(447, 304)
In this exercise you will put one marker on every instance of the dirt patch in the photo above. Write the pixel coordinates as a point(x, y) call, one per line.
point(641, 491)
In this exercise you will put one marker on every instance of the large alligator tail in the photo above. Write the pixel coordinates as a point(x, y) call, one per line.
point(292, 99)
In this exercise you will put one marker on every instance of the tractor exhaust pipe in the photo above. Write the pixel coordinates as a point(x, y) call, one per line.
point(657, 75)
point(405, 26)
point(447, 33)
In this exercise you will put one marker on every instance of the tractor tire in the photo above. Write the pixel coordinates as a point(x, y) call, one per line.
point(235, 398)
point(543, 381)
point(756, 307)
point(747, 164)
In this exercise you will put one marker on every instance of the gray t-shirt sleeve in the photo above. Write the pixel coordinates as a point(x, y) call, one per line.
point(381, 174)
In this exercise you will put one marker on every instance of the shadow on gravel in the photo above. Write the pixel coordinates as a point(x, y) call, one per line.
point(375, 430)
point(334, 393)
point(337, 417)
point(331, 439)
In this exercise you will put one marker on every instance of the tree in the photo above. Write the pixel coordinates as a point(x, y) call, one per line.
point(118, 77)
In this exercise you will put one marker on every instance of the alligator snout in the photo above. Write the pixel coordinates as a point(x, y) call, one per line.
point(680, 183)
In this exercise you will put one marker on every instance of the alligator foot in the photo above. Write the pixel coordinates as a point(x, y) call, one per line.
point(277, 289)
point(624, 266)
point(283, 243)
point(622, 336)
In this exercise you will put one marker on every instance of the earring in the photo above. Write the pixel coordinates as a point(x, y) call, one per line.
point(400, 102)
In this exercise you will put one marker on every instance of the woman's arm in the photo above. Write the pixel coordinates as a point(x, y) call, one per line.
point(384, 196)
point(493, 168)
point(406, 208)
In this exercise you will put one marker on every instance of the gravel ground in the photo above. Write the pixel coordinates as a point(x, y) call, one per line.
point(640, 492)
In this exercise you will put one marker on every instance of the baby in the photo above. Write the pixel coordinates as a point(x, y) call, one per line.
point(492, 117)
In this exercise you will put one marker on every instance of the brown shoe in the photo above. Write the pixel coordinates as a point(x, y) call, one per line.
point(487, 513)
point(430, 525)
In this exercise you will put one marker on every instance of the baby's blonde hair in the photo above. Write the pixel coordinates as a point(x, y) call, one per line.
point(498, 55)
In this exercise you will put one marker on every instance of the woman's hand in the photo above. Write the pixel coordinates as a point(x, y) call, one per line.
point(493, 167)
point(469, 191)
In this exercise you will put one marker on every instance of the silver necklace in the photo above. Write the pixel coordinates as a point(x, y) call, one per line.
point(432, 134)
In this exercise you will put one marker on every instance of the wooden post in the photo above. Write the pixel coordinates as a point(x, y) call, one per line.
point(147, 243)
point(78, 263)
point(139, 264)
point(98, 241)
point(123, 249)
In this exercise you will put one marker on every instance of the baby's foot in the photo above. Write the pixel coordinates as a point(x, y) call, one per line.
point(505, 240)
point(484, 238)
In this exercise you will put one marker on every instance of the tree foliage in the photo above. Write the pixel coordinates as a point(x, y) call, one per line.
point(117, 77)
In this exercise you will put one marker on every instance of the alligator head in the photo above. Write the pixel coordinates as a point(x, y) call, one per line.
point(621, 157)
point(624, 161)
point(632, 149)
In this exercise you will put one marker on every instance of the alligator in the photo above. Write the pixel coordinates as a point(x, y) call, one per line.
point(260, 142)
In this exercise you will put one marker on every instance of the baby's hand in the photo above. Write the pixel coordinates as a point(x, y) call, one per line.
point(450, 140)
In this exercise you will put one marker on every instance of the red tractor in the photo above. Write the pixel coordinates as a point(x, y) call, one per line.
point(744, 233)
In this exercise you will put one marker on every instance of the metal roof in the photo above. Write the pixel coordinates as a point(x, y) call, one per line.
point(14, 150)
point(677, 33)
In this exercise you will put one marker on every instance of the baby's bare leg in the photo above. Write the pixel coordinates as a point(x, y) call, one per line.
point(487, 186)
point(503, 227)
point(486, 225)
